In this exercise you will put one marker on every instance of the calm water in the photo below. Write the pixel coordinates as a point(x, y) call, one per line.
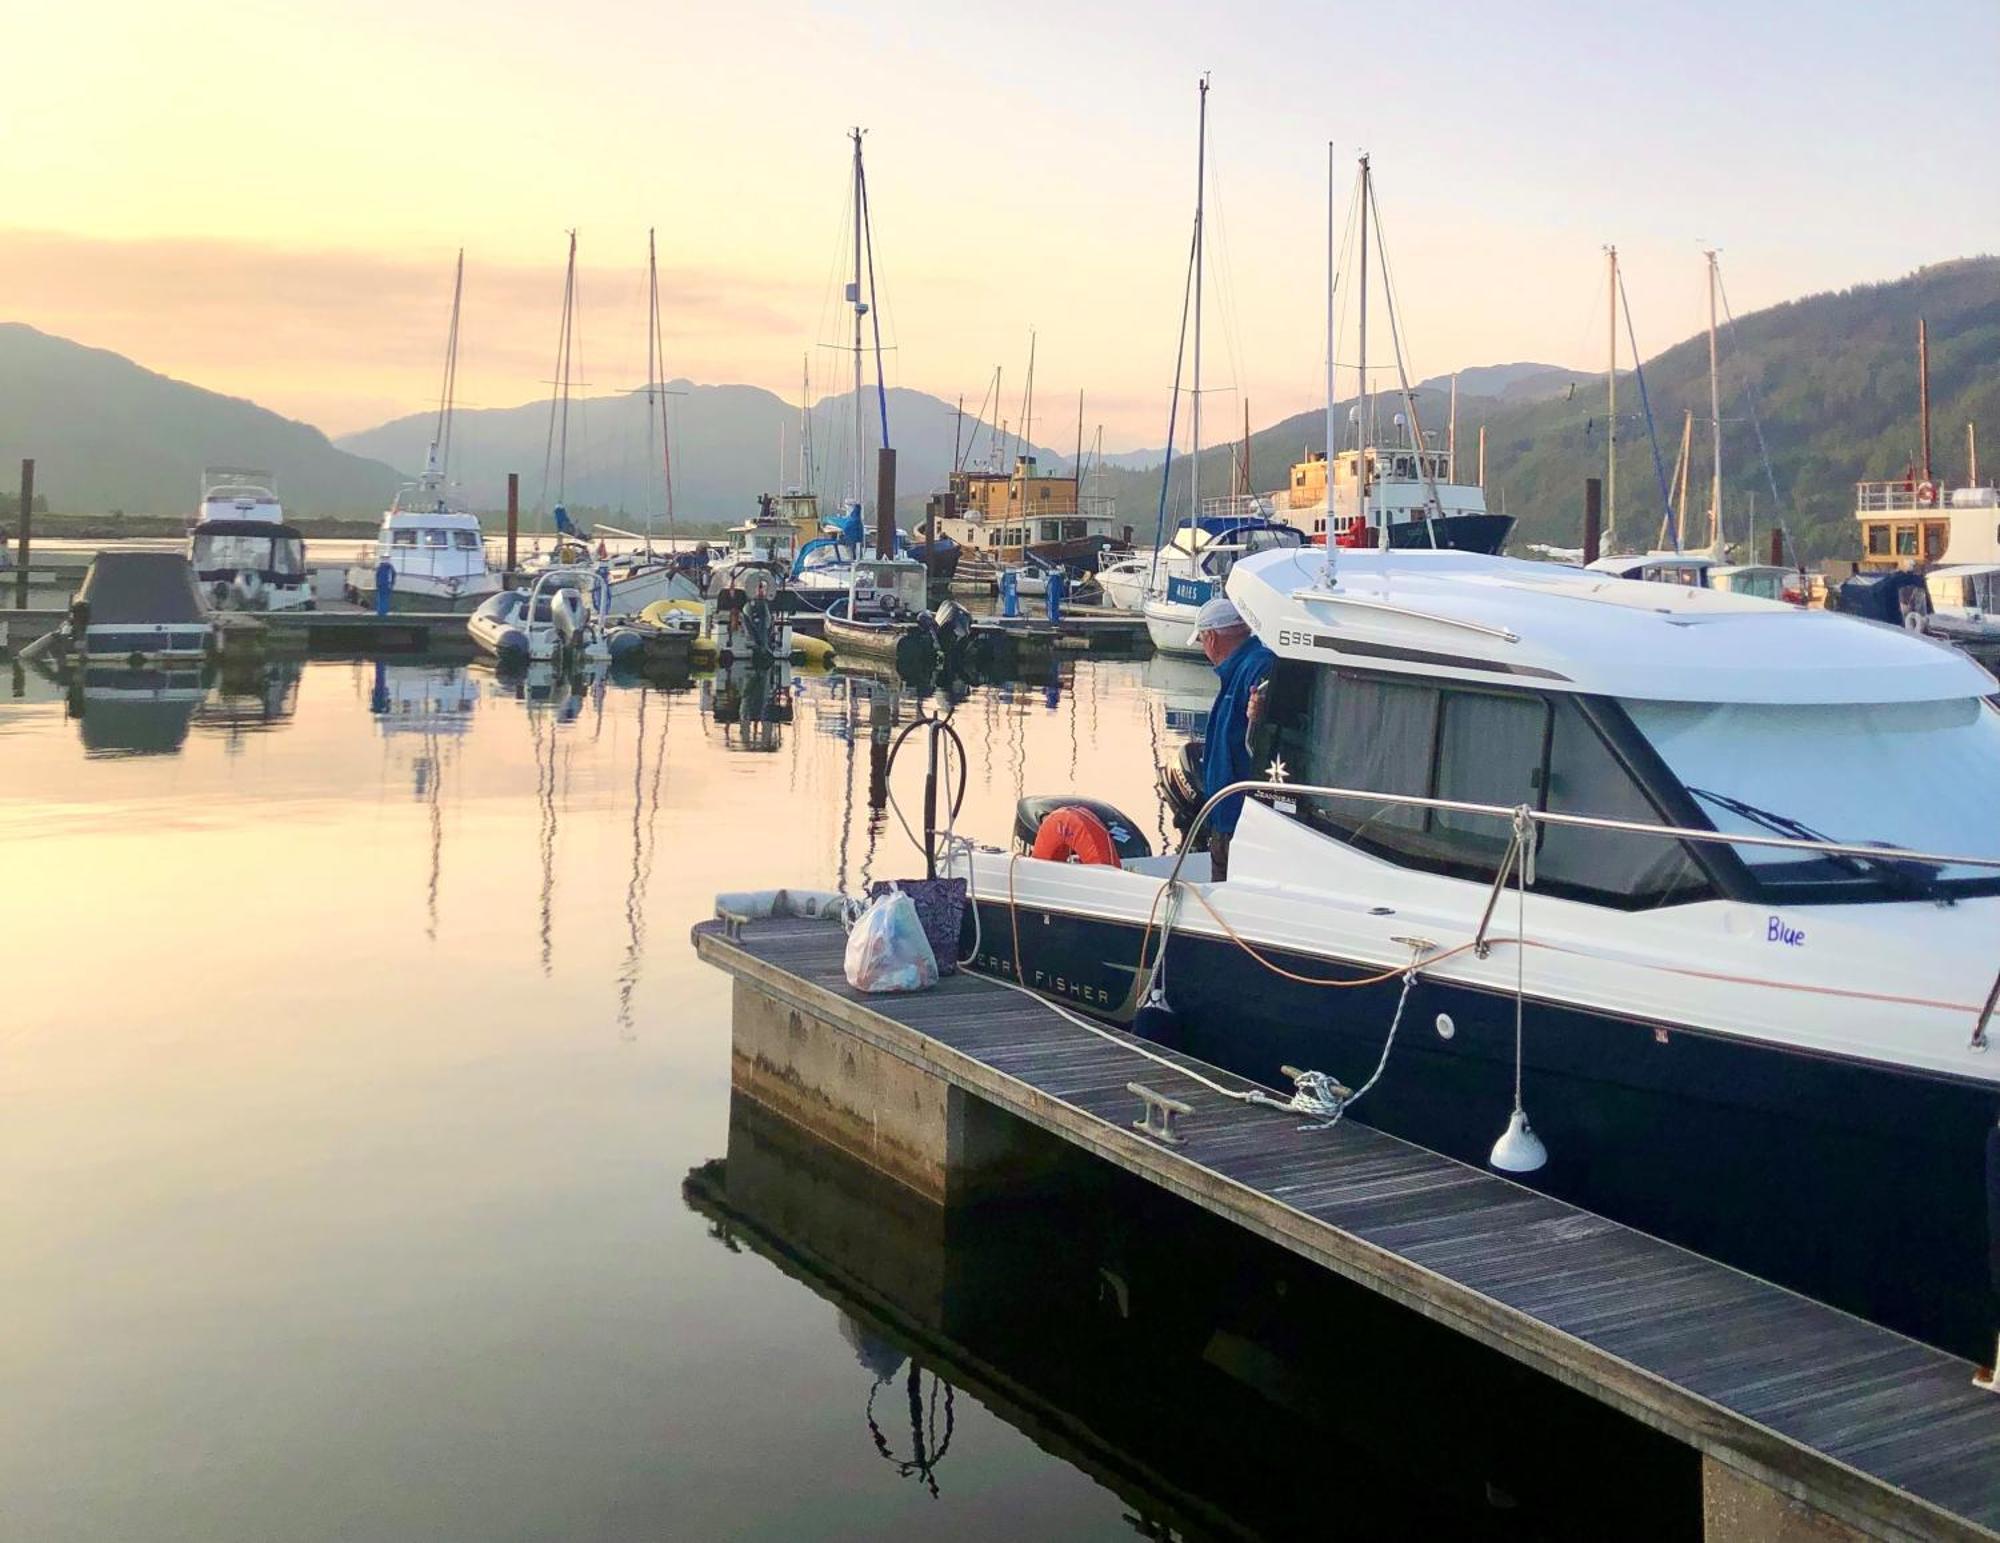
point(371, 1167)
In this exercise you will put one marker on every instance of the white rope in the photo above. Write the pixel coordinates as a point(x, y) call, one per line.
point(1314, 1093)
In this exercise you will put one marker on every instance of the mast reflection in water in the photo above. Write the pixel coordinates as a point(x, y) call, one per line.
point(1219, 1385)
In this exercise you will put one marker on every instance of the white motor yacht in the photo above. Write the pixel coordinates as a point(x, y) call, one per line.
point(244, 554)
point(1753, 943)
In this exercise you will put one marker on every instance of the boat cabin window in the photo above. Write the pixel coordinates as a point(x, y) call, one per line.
point(1345, 729)
point(284, 555)
point(1921, 775)
point(465, 540)
point(1878, 540)
point(403, 537)
point(1906, 541)
point(437, 538)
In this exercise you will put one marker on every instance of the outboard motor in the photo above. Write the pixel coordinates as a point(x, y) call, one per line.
point(1183, 784)
point(567, 613)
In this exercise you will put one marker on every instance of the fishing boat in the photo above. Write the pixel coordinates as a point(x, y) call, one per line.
point(1750, 940)
point(761, 552)
point(430, 554)
point(244, 554)
point(560, 616)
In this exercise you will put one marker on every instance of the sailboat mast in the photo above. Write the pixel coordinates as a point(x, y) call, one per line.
point(440, 461)
point(860, 310)
point(1361, 461)
point(808, 473)
point(1451, 435)
point(1715, 422)
point(1200, 193)
point(1326, 524)
point(656, 352)
point(1611, 411)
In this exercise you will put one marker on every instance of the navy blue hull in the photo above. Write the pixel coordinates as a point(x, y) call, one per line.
point(1861, 1187)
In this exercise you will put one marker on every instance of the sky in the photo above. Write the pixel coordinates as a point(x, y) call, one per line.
point(267, 199)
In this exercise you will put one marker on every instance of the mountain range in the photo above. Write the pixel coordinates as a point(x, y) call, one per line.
point(1826, 386)
point(730, 443)
point(108, 434)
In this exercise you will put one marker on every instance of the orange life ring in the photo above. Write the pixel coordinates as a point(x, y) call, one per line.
point(1072, 834)
point(1926, 493)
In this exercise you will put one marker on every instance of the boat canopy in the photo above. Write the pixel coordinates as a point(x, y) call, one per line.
point(149, 589)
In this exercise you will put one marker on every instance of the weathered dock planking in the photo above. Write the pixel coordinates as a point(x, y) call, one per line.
point(1874, 1430)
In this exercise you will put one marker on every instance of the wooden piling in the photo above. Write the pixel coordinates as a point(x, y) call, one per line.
point(1593, 519)
point(27, 528)
point(513, 518)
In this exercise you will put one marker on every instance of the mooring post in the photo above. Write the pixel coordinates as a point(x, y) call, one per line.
point(1593, 516)
point(513, 520)
point(27, 527)
point(885, 502)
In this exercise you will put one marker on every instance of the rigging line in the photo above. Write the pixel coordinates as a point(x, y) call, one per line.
point(1763, 451)
point(448, 388)
point(874, 302)
point(1424, 463)
point(562, 348)
point(1645, 402)
point(1173, 412)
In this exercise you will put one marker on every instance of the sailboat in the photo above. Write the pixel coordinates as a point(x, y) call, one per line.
point(632, 580)
point(1191, 568)
point(1400, 491)
point(430, 552)
point(885, 589)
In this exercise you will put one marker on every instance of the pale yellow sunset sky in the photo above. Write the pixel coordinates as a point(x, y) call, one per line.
point(265, 199)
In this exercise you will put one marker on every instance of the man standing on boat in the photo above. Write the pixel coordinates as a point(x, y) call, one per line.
point(1243, 663)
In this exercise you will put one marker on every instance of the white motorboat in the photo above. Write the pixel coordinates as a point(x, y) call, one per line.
point(244, 554)
point(1756, 992)
point(1690, 570)
point(1124, 582)
point(1965, 603)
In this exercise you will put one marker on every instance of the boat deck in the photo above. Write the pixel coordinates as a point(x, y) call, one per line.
point(1876, 1430)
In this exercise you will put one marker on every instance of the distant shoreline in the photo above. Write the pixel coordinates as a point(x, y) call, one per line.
point(123, 527)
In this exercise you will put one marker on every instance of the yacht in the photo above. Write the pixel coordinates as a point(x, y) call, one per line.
point(245, 555)
point(430, 554)
point(1123, 582)
point(1690, 570)
point(1753, 997)
point(434, 553)
point(1194, 568)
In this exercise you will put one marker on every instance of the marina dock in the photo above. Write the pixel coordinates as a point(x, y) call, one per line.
point(1809, 1422)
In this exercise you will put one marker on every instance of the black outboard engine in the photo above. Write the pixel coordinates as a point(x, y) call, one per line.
point(1182, 782)
point(1125, 833)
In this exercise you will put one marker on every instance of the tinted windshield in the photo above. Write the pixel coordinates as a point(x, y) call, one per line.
point(1923, 775)
point(280, 554)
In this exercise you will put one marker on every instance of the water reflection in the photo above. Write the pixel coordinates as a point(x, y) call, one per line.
point(750, 702)
point(123, 711)
point(431, 706)
point(1220, 1386)
point(251, 696)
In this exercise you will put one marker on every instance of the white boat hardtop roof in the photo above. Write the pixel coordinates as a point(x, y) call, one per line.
point(1462, 616)
point(434, 519)
point(1620, 562)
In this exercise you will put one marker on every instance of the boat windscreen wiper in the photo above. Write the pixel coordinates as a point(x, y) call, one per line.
point(1903, 878)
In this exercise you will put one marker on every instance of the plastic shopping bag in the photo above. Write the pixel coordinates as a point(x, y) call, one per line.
point(887, 949)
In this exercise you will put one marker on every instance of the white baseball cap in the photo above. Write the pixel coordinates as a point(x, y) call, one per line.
point(1215, 615)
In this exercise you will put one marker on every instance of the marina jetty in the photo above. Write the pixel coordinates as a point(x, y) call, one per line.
point(1807, 1422)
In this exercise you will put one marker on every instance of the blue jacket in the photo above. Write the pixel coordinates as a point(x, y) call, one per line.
point(1227, 752)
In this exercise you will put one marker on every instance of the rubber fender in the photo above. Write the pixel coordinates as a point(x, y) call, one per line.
point(1074, 835)
point(702, 650)
point(812, 650)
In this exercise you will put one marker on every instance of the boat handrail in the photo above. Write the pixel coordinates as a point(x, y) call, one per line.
point(1521, 816)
